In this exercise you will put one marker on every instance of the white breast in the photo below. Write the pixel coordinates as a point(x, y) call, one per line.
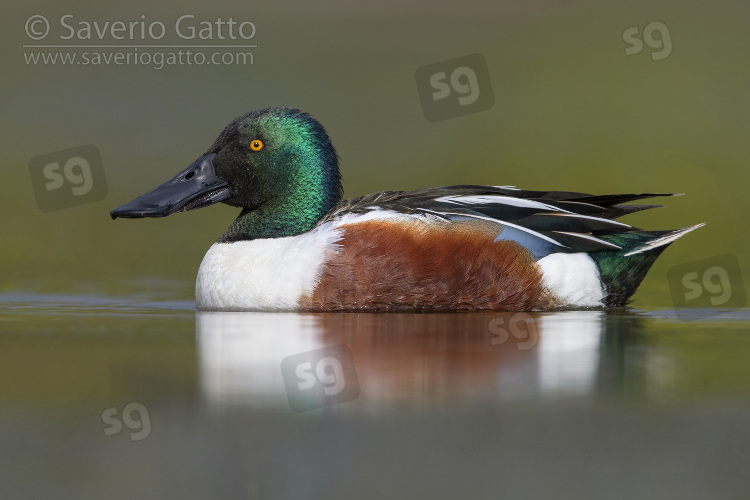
point(264, 274)
point(272, 274)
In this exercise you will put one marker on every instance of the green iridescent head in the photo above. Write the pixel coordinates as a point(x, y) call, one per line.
point(277, 164)
point(280, 163)
point(273, 153)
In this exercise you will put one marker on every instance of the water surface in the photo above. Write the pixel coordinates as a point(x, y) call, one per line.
point(445, 404)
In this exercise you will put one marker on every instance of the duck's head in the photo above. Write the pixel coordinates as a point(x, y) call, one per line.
point(278, 164)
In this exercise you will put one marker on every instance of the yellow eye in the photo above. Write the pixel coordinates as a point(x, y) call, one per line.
point(256, 145)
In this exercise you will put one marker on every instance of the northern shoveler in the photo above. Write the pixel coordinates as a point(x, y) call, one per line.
point(296, 246)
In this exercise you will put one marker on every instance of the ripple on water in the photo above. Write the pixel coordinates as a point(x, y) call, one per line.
point(55, 304)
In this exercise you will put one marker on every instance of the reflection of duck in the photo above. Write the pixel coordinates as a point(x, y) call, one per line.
point(294, 246)
point(411, 359)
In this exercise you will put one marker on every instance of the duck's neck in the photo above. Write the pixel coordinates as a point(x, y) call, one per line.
point(290, 215)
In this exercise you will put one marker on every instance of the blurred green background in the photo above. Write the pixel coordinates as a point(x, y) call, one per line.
point(572, 112)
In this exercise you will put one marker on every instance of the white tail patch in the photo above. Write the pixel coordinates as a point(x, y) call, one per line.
point(573, 278)
point(665, 240)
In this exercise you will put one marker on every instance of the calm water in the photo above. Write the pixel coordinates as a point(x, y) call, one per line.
point(144, 397)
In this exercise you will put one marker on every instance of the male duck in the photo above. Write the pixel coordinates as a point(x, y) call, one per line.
point(295, 246)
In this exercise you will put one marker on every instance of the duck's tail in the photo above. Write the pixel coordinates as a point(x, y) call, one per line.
point(623, 270)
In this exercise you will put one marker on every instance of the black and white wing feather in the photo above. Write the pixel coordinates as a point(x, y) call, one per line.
point(543, 221)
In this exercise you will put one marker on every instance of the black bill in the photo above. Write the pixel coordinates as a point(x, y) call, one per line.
point(195, 187)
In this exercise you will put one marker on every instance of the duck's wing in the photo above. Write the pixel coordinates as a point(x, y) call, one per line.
point(543, 221)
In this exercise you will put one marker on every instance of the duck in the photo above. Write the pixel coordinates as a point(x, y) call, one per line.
point(297, 246)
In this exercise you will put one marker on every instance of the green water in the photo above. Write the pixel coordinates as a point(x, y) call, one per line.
point(446, 404)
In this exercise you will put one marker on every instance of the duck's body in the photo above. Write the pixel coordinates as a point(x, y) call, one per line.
point(294, 247)
point(438, 249)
